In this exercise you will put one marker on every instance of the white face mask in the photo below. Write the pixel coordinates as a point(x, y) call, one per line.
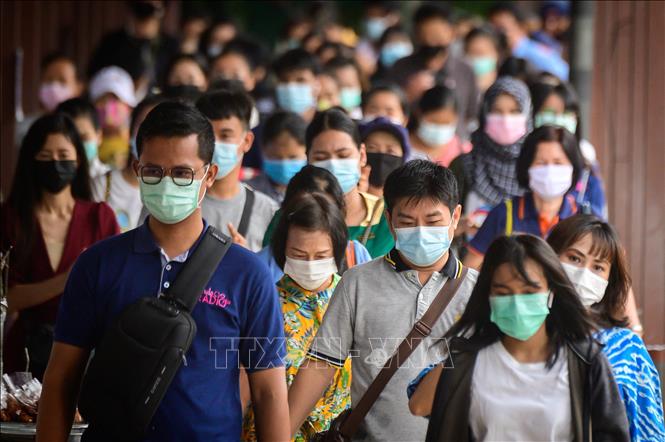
point(310, 275)
point(551, 181)
point(590, 287)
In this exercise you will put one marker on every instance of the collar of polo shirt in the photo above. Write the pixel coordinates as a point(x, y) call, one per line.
point(451, 269)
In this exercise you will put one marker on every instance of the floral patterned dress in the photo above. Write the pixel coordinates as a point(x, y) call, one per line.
point(303, 312)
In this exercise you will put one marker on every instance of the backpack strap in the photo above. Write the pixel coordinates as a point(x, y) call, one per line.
point(509, 216)
point(107, 192)
point(378, 208)
point(243, 226)
point(421, 329)
point(199, 268)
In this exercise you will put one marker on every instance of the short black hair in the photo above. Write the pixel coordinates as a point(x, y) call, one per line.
point(79, 108)
point(252, 51)
point(438, 97)
point(294, 60)
point(507, 8)
point(225, 103)
point(487, 32)
point(332, 119)
point(420, 179)
point(173, 119)
point(430, 10)
point(284, 121)
point(52, 57)
point(193, 58)
point(548, 133)
point(311, 211)
point(390, 88)
point(315, 179)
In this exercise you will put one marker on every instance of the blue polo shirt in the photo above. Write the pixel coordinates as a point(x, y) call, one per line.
point(240, 301)
point(524, 219)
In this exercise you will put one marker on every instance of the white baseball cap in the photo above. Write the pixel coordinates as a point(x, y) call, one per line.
point(116, 81)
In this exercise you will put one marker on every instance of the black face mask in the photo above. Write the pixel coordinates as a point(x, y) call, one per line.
point(382, 165)
point(54, 176)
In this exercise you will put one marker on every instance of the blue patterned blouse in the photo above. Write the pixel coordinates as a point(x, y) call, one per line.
point(638, 381)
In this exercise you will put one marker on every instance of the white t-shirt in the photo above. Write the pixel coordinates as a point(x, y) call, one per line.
point(514, 401)
point(124, 199)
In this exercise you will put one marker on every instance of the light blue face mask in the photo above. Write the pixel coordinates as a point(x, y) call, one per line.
point(346, 171)
point(91, 149)
point(391, 52)
point(281, 171)
point(226, 158)
point(168, 202)
point(423, 245)
point(435, 135)
point(350, 98)
point(567, 120)
point(375, 28)
point(295, 97)
point(482, 65)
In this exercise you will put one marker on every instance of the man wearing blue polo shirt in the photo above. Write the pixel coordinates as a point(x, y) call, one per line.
point(238, 316)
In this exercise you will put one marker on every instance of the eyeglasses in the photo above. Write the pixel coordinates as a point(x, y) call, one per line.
point(181, 176)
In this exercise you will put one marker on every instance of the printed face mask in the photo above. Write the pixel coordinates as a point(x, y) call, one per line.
point(423, 245)
point(168, 202)
point(310, 275)
point(346, 171)
point(52, 94)
point(295, 97)
point(225, 157)
point(281, 171)
point(382, 165)
point(590, 287)
point(434, 134)
point(519, 316)
point(505, 129)
point(54, 175)
point(568, 120)
point(551, 181)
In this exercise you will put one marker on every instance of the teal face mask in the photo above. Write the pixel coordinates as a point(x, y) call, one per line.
point(519, 316)
point(483, 65)
point(168, 202)
point(226, 158)
point(91, 149)
point(568, 120)
point(391, 52)
point(423, 245)
point(281, 171)
point(346, 171)
point(350, 98)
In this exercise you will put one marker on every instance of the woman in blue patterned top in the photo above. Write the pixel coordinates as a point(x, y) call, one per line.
point(592, 256)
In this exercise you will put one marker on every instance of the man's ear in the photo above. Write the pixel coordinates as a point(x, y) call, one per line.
point(457, 214)
point(247, 142)
point(363, 155)
point(390, 222)
point(135, 166)
point(209, 179)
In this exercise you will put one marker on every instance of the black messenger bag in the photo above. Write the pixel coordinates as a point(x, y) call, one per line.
point(139, 355)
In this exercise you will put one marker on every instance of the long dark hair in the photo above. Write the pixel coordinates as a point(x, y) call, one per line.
point(609, 312)
point(567, 320)
point(26, 192)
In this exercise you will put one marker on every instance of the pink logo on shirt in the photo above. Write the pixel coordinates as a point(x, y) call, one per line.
point(215, 298)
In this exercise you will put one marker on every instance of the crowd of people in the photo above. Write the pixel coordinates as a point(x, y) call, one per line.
point(358, 175)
